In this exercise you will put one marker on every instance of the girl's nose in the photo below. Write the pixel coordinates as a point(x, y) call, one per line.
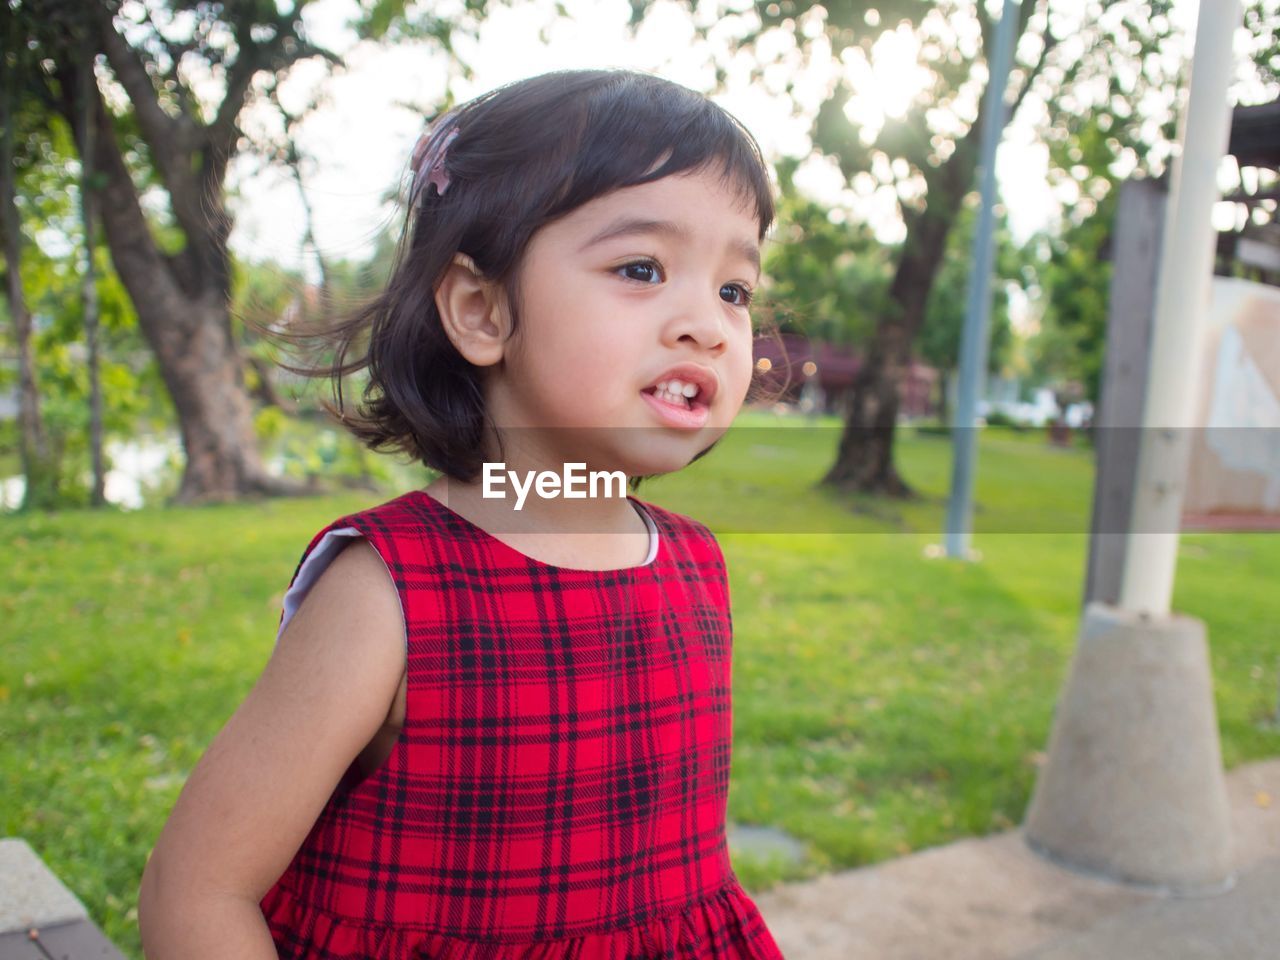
point(702, 320)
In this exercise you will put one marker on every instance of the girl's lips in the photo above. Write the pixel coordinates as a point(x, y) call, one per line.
point(674, 416)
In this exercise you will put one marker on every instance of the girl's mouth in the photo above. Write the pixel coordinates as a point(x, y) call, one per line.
point(677, 411)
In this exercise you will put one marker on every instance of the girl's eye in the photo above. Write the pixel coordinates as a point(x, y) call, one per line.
point(647, 270)
point(744, 291)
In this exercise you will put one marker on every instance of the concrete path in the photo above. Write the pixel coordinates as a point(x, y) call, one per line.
point(1243, 924)
point(40, 919)
point(995, 899)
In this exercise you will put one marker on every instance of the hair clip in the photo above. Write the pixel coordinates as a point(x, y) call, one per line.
point(428, 161)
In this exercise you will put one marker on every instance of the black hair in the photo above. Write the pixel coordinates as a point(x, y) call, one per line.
point(517, 159)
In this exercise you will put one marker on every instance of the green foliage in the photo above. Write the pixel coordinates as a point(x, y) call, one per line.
point(998, 418)
point(940, 336)
point(262, 289)
point(1076, 279)
point(827, 279)
point(836, 137)
point(398, 20)
point(264, 293)
point(1115, 46)
point(133, 396)
point(1096, 70)
point(1075, 272)
point(1262, 20)
point(324, 453)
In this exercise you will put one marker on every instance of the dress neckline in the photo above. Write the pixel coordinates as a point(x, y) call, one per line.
point(655, 540)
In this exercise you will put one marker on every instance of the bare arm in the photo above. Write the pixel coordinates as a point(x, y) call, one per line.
point(257, 791)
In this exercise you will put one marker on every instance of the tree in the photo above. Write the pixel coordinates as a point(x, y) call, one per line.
point(180, 293)
point(1074, 267)
point(88, 281)
point(133, 400)
point(829, 279)
point(828, 276)
point(37, 460)
point(1071, 60)
point(1070, 344)
point(939, 340)
point(165, 135)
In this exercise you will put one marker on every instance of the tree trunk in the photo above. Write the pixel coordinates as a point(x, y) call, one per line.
point(206, 382)
point(39, 468)
point(89, 289)
point(864, 461)
point(182, 301)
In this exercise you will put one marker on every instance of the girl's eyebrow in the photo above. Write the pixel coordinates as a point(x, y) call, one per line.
point(633, 226)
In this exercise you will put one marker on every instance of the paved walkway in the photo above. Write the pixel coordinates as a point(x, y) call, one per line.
point(40, 919)
point(994, 899)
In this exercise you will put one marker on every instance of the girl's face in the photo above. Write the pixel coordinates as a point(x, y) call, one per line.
point(613, 296)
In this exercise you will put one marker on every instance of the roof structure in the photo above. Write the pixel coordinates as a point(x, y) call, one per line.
point(1255, 135)
point(1254, 142)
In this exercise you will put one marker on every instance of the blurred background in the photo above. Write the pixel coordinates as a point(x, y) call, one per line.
point(866, 113)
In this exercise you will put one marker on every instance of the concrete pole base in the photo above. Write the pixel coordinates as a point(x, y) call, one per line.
point(1133, 787)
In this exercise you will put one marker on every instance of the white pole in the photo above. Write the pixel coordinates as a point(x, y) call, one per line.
point(1182, 298)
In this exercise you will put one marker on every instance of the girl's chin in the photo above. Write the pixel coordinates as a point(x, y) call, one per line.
point(655, 454)
point(639, 449)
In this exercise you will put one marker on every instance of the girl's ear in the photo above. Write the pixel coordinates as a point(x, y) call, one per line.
point(471, 312)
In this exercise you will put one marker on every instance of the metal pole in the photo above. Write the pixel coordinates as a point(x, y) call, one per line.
point(973, 344)
point(1186, 267)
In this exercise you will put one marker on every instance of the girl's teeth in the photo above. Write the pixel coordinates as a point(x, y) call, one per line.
point(676, 392)
point(673, 398)
point(677, 388)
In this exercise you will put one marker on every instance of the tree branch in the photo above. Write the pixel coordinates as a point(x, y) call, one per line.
point(984, 23)
point(283, 50)
point(239, 78)
point(188, 105)
point(133, 248)
point(1024, 15)
point(1050, 41)
point(166, 135)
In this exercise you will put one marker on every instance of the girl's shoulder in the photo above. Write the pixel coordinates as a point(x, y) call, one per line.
point(402, 526)
point(395, 529)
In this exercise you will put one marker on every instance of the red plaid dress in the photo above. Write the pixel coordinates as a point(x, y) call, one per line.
point(560, 783)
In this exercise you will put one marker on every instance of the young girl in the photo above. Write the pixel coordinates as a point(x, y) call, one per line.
point(490, 731)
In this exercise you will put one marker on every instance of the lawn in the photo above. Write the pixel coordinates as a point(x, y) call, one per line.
point(884, 700)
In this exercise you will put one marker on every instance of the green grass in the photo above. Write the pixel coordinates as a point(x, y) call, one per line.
point(883, 701)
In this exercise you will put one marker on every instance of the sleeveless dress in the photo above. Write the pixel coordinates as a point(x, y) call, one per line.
point(559, 788)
